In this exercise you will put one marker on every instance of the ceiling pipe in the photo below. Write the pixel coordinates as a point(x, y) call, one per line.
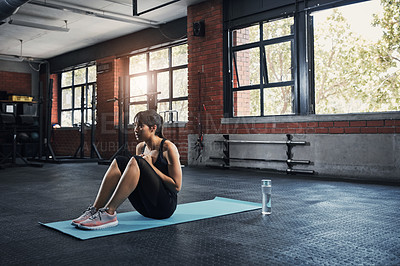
point(17, 58)
point(9, 7)
point(96, 13)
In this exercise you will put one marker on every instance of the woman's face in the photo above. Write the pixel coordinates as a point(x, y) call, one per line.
point(143, 132)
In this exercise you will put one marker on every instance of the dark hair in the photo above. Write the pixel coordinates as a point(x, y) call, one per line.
point(150, 118)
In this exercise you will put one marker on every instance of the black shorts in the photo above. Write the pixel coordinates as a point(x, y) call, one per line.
point(151, 198)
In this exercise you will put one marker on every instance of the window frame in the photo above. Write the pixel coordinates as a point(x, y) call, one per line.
point(304, 90)
point(152, 78)
point(85, 87)
point(263, 79)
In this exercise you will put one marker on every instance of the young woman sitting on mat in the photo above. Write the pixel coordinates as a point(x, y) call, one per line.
point(150, 180)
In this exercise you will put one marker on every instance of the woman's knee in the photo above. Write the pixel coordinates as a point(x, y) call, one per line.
point(114, 168)
point(133, 163)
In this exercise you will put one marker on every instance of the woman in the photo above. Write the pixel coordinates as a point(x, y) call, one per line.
point(150, 180)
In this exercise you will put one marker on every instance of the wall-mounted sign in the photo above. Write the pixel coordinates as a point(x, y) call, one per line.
point(102, 68)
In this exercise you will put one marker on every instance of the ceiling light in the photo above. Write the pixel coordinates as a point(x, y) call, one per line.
point(37, 26)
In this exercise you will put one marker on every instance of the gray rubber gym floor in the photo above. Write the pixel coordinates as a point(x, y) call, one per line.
point(314, 222)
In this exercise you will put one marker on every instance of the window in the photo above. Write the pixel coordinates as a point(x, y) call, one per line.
point(262, 76)
point(357, 60)
point(325, 60)
point(159, 80)
point(77, 89)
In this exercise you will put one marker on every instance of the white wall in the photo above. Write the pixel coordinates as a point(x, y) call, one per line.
point(357, 156)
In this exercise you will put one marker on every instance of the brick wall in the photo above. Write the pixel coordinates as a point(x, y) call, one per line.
point(107, 111)
point(65, 142)
point(178, 135)
point(54, 104)
point(205, 68)
point(16, 83)
point(323, 127)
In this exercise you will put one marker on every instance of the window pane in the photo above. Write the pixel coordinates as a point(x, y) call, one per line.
point(77, 117)
point(88, 96)
point(78, 98)
point(66, 96)
point(66, 79)
point(179, 55)
point(163, 85)
point(278, 101)
point(248, 67)
point(279, 62)
point(180, 82)
point(277, 28)
point(88, 116)
point(137, 64)
point(246, 35)
point(356, 69)
point(246, 103)
point(66, 119)
point(80, 76)
point(92, 75)
point(162, 107)
point(134, 109)
point(159, 59)
point(138, 87)
point(182, 108)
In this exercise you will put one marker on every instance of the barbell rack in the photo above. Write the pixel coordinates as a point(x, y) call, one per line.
point(289, 160)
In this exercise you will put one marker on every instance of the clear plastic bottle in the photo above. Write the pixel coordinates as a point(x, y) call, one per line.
point(266, 196)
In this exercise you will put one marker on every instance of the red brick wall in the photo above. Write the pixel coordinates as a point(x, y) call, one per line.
point(328, 127)
point(16, 83)
point(54, 104)
point(179, 137)
point(205, 67)
point(65, 142)
point(107, 112)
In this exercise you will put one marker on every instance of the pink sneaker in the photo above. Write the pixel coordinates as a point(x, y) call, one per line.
point(85, 215)
point(101, 219)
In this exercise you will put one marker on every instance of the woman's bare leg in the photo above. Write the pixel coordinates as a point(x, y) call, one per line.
point(108, 185)
point(126, 185)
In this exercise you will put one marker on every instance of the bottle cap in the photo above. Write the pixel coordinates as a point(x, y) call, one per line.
point(266, 182)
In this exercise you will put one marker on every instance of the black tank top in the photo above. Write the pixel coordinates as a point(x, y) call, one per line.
point(161, 163)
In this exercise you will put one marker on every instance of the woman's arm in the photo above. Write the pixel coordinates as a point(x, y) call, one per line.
point(174, 180)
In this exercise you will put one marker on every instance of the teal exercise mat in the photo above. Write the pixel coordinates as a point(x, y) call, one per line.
point(187, 212)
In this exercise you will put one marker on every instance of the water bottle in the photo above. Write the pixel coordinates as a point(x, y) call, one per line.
point(266, 196)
